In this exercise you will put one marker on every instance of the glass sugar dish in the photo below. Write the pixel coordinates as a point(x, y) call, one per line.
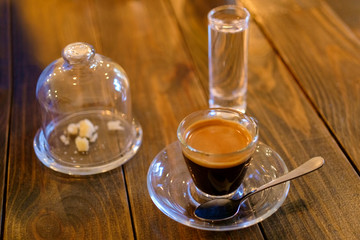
point(87, 123)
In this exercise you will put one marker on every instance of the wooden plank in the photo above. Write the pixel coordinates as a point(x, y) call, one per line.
point(42, 204)
point(46, 205)
point(324, 56)
point(348, 11)
point(5, 95)
point(315, 207)
point(164, 89)
point(320, 205)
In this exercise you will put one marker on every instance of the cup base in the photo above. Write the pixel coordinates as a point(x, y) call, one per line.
point(241, 108)
point(198, 197)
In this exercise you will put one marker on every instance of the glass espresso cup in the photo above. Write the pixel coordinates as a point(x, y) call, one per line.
point(217, 145)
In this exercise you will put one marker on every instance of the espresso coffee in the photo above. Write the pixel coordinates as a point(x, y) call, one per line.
point(219, 163)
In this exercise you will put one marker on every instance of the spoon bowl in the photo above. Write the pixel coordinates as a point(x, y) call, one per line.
point(223, 209)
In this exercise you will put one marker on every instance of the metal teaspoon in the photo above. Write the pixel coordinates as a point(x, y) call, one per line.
point(223, 209)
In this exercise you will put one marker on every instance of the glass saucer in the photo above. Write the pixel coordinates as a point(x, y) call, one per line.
point(110, 150)
point(173, 192)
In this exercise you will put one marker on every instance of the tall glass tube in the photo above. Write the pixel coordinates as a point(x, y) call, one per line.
point(228, 32)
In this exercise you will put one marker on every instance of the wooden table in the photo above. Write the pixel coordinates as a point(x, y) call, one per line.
point(304, 88)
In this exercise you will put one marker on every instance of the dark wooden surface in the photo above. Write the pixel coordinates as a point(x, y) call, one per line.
point(304, 84)
point(5, 95)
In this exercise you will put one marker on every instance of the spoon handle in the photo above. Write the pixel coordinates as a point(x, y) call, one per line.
point(305, 168)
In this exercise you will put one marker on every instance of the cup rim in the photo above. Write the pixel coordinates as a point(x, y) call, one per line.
point(216, 21)
point(252, 144)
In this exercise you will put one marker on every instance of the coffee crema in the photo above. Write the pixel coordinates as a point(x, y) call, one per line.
point(218, 138)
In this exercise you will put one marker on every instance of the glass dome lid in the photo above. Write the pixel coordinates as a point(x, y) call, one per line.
point(85, 103)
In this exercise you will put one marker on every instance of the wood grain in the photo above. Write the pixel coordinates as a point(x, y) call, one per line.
point(5, 96)
point(348, 11)
point(289, 124)
point(315, 207)
point(42, 204)
point(325, 61)
point(165, 89)
point(162, 45)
